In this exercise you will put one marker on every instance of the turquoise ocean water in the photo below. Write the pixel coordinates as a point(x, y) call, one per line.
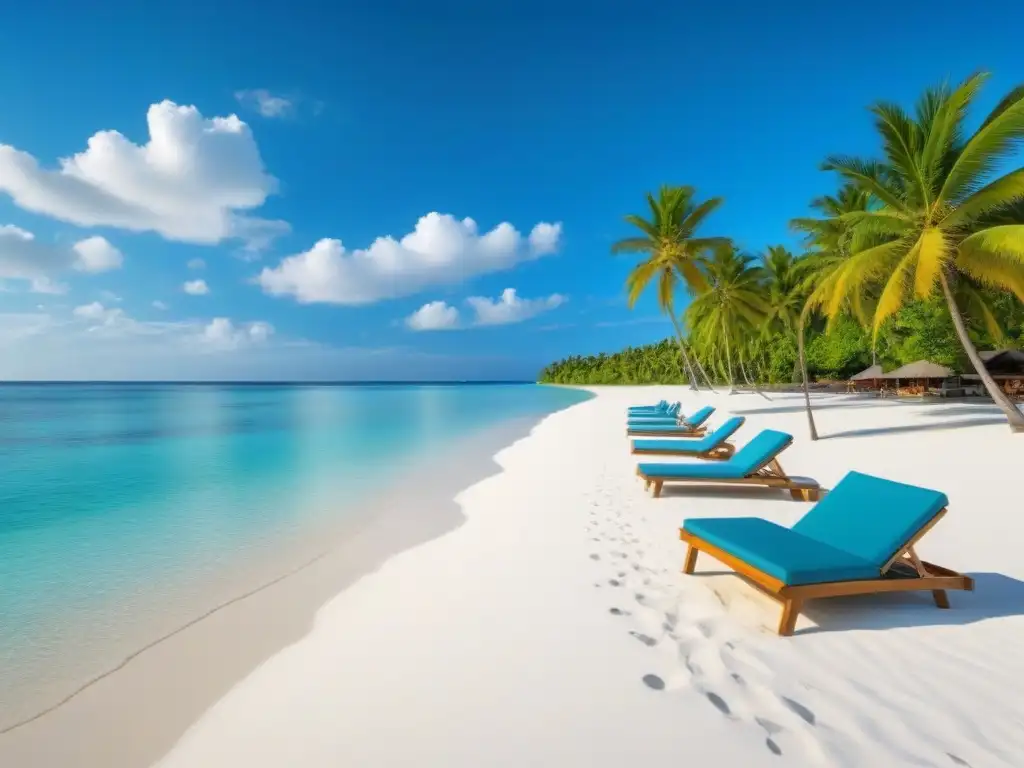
point(112, 494)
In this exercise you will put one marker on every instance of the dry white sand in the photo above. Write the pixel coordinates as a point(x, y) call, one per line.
point(555, 629)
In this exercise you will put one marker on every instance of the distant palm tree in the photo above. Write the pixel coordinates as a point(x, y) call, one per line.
point(784, 295)
point(674, 253)
point(941, 220)
point(732, 307)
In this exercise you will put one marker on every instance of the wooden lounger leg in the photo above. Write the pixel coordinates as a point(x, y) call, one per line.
point(657, 488)
point(804, 494)
point(941, 598)
point(691, 559)
point(790, 610)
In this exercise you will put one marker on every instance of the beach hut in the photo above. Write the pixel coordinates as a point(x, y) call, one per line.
point(1006, 366)
point(919, 375)
point(869, 379)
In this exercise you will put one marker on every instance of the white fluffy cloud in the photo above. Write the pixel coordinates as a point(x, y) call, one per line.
point(24, 257)
point(221, 333)
point(509, 308)
point(196, 288)
point(96, 254)
point(192, 181)
point(441, 250)
point(435, 316)
point(506, 309)
point(266, 103)
point(99, 314)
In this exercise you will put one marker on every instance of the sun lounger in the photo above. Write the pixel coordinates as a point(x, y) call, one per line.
point(668, 415)
point(859, 539)
point(660, 407)
point(756, 463)
point(688, 426)
point(714, 445)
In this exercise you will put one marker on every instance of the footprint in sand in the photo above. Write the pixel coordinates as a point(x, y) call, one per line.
point(654, 682)
point(615, 582)
point(594, 556)
point(719, 703)
point(803, 712)
point(770, 729)
point(618, 612)
point(647, 640)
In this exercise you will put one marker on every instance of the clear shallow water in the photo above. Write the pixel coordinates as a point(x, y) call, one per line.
point(115, 497)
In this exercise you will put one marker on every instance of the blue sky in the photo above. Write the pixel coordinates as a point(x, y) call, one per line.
point(359, 120)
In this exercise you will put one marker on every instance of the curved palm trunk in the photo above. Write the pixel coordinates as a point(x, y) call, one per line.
point(803, 372)
point(750, 383)
point(682, 351)
point(707, 379)
point(1013, 414)
point(728, 359)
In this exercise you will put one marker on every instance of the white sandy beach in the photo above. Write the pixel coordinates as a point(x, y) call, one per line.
point(555, 629)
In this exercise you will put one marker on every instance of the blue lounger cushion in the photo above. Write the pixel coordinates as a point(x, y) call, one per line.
point(746, 461)
point(850, 534)
point(699, 417)
point(704, 444)
point(662, 406)
point(870, 517)
point(781, 552)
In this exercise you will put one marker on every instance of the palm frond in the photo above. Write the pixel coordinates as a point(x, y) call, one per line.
point(990, 145)
point(634, 245)
point(894, 294)
point(869, 175)
point(998, 195)
point(933, 251)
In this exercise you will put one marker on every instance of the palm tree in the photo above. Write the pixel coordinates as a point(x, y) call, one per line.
point(674, 252)
point(732, 305)
point(828, 239)
point(942, 220)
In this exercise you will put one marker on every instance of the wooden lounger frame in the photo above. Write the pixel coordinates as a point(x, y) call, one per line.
point(769, 474)
point(720, 452)
point(903, 572)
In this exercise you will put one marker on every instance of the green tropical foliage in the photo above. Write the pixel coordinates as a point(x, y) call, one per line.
point(918, 255)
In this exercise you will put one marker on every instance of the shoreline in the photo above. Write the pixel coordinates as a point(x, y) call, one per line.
point(215, 650)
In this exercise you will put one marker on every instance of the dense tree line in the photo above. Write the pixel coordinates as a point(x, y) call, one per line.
point(923, 330)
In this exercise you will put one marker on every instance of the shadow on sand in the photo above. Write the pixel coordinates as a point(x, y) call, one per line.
point(743, 493)
point(858, 403)
point(894, 430)
point(964, 410)
point(995, 596)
